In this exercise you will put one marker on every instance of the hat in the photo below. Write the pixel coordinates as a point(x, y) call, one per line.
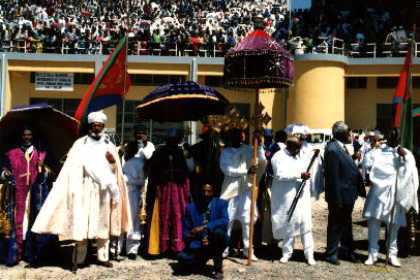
point(297, 128)
point(97, 117)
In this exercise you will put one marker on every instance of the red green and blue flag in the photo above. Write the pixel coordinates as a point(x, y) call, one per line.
point(111, 84)
point(402, 101)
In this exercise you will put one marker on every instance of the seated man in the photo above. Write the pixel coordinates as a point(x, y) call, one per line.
point(205, 231)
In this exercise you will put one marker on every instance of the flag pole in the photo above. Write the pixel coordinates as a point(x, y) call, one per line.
point(125, 75)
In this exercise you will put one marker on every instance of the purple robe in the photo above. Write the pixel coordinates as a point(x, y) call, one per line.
point(169, 182)
point(25, 174)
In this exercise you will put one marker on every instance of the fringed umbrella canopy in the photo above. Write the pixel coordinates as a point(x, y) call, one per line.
point(54, 131)
point(187, 101)
point(258, 61)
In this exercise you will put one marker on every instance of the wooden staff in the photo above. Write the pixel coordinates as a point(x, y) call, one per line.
point(254, 188)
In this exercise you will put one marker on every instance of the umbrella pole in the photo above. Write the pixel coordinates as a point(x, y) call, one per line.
point(254, 188)
point(125, 87)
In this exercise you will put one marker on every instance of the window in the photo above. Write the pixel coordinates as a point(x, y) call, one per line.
point(356, 82)
point(156, 131)
point(387, 82)
point(214, 81)
point(67, 106)
point(385, 115)
point(155, 80)
point(416, 82)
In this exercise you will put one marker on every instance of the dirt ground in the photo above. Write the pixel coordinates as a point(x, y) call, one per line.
point(268, 267)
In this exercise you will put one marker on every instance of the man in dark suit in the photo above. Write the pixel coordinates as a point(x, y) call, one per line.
point(343, 184)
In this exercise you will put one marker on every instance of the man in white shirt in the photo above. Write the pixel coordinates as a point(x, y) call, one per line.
point(289, 169)
point(136, 155)
point(394, 178)
point(236, 165)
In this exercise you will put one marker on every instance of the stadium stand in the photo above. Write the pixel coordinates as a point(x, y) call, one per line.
point(196, 28)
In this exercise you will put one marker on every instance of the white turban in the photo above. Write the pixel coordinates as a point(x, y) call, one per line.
point(297, 128)
point(97, 117)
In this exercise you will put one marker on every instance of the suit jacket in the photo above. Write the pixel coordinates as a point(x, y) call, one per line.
point(343, 181)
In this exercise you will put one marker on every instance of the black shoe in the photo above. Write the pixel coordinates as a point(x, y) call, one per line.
point(33, 265)
point(105, 264)
point(351, 257)
point(132, 256)
point(332, 260)
point(74, 268)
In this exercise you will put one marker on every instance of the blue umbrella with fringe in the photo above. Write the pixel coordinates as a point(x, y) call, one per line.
point(186, 101)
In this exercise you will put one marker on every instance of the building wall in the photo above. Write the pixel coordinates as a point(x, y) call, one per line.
point(361, 104)
point(317, 98)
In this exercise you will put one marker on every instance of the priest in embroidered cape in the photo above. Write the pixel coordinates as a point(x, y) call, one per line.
point(385, 164)
point(26, 188)
point(89, 198)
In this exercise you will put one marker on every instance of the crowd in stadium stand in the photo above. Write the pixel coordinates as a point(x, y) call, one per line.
point(184, 27)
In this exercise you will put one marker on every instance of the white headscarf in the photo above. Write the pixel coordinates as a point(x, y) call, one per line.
point(297, 128)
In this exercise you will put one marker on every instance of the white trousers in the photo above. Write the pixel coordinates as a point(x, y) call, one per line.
point(245, 232)
point(81, 250)
point(307, 241)
point(374, 229)
point(133, 237)
point(239, 209)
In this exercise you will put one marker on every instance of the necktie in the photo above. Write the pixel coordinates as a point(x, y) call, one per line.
point(346, 150)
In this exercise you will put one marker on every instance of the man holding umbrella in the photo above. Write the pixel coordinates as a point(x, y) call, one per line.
point(168, 192)
point(23, 168)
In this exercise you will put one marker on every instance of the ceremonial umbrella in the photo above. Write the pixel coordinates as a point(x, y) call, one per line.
point(53, 130)
point(258, 61)
point(187, 101)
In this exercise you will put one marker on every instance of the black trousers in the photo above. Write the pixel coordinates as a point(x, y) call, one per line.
point(340, 229)
point(217, 244)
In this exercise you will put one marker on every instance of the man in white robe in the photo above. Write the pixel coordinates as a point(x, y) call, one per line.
point(236, 165)
point(389, 194)
point(89, 198)
point(289, 169)
point(136, 155)
point(375, 142)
